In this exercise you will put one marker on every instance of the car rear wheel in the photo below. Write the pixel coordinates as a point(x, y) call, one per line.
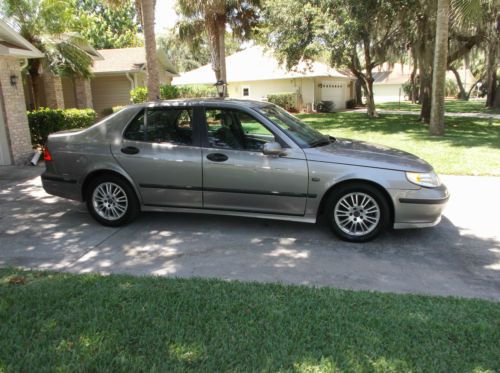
point(358, 212)
point(111, 201)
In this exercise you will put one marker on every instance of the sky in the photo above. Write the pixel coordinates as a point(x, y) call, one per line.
point(165, 16)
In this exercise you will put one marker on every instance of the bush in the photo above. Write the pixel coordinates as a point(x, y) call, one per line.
point(325, 107)
point(110, 110)
point(351, 103)
point(287, 100)
point(138, 95)
point(169, 92)
point(45, 121)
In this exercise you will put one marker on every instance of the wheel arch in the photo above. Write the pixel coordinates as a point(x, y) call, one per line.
point(380, 188)
point(103, 172)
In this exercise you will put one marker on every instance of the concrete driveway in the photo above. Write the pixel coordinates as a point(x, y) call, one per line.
point(460, 257)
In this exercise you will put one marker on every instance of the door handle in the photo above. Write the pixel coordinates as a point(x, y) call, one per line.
point(217, 157)
point(130, 150)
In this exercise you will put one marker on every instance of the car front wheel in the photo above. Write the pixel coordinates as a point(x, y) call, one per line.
point(358, 213)
point(111, 201)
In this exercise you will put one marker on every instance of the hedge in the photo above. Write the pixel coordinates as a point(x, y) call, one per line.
point(168, 92)
point(45, 121)
point(287, 100)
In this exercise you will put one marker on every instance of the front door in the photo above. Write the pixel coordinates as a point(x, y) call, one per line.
point(160, 151)
point(238, 176)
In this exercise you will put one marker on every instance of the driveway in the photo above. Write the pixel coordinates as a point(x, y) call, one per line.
point(460, 257)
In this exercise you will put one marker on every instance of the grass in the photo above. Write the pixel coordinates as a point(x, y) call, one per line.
point(62, 322)
point(470, 147)
point(451, 106)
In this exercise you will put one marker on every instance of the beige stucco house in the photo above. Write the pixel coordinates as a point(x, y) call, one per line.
point(390, 78)
point(254, 73)
point(15, 142)
point(115, 74)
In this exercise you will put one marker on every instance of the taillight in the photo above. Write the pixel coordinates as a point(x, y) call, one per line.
point(46, 154)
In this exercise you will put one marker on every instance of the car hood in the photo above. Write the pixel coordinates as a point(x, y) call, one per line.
point(365, 154)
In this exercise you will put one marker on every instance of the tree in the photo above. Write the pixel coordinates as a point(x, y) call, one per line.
point(357, 35)
point(212, 17)
point(493, 83)
point(145, 10)
point(48, 25)
point(107, 27)
point(190, 52)
point(439, 70)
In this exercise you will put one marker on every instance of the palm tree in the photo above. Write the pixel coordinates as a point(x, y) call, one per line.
point(47, 25)
point(212, 16)
point(145, 10)
point(439, 70)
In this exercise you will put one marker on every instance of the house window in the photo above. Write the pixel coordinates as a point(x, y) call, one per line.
point(246, 91)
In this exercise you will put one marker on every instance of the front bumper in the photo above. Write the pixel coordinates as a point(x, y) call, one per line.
point(418, 208)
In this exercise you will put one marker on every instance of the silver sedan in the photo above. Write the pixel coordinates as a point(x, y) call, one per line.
point(244, 158)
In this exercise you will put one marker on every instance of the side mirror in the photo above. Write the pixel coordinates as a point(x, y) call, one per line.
point(272, 148)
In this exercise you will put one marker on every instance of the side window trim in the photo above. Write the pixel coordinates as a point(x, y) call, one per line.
point(204, 125)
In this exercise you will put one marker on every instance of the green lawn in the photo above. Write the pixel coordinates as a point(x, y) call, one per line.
point(62, 322)
point(451, 106)
point(470, 147)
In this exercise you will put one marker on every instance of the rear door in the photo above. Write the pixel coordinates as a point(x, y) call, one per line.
point(161, 151)
point(238, 176)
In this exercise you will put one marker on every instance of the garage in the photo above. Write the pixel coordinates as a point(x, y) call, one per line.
point(335, 91)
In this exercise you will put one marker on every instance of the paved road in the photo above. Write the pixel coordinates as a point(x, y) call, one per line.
point(448, 114)
point(460, 257)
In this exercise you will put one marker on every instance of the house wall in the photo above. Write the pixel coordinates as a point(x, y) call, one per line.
point(109, 91)
point(15, 136)
point(387, 92)
point(69, 93)
point(307, 87)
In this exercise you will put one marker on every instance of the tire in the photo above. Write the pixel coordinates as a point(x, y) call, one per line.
point(111, 201)
point(357, 212)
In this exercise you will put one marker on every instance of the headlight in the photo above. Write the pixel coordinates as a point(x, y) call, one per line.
point(428, 179)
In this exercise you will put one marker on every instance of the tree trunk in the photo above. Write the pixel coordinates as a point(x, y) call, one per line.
point(370, 101)
point(413, 79)
point(439, 70)
point(359, 93)
point(462, 94)
point(221, 30)
point(213, 39)
point(148, 21)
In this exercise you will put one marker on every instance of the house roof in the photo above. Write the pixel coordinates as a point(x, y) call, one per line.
point(256, 63)
point(126, 60)
point(400, 73)
point(13, 44)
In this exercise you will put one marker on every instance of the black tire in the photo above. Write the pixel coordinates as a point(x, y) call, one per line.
point(377, 196)
point(132, 207)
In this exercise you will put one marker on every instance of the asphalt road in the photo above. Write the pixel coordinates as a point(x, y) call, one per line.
point(460, 257)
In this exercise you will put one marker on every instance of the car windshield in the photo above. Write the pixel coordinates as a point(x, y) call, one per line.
point(301, 133)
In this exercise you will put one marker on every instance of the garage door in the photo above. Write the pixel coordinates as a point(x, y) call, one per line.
point(333, 91)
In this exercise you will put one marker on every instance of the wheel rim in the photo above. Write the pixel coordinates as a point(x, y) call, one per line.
point(357, 214)
point(110, 201)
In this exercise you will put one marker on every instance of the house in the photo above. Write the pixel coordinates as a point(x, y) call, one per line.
point(118, 72)
point(390, 78)
point(15, 141)
point(254, 73)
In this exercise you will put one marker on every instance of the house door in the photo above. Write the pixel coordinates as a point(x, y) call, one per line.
point(333, 91)
point(4, 144)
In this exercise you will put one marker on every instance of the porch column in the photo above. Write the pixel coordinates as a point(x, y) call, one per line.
point(83, 93)
point(52, 85)
point(13, 111)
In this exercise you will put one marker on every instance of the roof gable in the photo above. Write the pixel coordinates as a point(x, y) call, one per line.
point(13, 44)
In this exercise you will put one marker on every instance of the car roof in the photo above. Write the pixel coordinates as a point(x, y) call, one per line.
point(226, 102)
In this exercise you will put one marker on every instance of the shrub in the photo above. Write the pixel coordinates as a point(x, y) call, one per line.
point(325, 107)
point(139, 94)
point(45, 121)
point(287, 100)
point(351, 103)
point(169, 92)
point(110, 110)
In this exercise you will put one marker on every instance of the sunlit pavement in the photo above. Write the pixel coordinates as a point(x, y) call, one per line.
point(460, 257)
